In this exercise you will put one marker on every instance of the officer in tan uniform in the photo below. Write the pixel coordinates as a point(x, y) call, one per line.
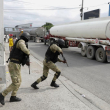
point(17, 57)
point(51, 57)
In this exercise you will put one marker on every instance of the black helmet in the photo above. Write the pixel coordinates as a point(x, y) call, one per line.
point(61, 42)
point(25, 36)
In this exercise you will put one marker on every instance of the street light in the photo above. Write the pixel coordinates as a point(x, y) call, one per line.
point(81, 10)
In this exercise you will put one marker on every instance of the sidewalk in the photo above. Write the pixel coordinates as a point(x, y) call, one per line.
point(46, 97)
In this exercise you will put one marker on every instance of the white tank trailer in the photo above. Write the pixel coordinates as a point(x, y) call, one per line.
point(37, 33)
point(92, 36)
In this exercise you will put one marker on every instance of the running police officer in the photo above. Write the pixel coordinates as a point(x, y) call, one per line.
point(51, 57)
point(17, 57)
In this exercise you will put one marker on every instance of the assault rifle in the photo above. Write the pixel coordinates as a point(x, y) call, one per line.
point(28, 58)
point(26, 61)
point(64, 59)
point(29, 66)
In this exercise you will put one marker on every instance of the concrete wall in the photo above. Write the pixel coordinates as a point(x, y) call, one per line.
point(2, 50)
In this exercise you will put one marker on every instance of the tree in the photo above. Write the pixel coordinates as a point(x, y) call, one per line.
point(48, 26)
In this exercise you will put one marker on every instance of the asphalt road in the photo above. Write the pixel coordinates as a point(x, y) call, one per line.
point(88, 74)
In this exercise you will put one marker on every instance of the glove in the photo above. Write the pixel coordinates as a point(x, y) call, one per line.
point(28, 63)
point(47, 59)
point(61, 52)
point(64, 61)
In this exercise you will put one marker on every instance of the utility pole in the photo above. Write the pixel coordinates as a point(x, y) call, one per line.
point(109, 9)
point(81, 10)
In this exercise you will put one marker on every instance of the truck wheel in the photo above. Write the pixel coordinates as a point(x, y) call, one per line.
point(34, 39)
point(66, 44)
point(52, 40)
point(49, 41)
point(44, 41)
point(91, 52)
point(83, 52)
point(101, 55)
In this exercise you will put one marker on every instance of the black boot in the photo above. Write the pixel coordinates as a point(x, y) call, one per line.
point(53, 84)
point(34, 85)
point(2, 99)
point(14, 99)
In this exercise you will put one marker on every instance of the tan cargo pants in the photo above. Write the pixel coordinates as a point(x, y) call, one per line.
point(15, 74)
point(46, 67)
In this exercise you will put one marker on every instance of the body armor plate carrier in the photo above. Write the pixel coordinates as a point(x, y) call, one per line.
point(50, 56)
point(17, 55)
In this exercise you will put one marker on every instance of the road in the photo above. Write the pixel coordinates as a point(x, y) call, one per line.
point(88, 74)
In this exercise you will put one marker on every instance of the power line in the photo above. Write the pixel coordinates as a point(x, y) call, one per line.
point(43, 9)
point(20, 1)
point(5, 11)
point(98, 5)
point(57, 8)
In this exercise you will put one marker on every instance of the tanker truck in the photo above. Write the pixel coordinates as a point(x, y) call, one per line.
point(36, 33)
point(92, 36)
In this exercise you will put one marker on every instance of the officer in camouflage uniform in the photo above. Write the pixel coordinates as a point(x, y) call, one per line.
point(17, 56)
point(51, 57)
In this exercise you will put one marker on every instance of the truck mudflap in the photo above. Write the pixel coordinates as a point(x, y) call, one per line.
point(108, 55)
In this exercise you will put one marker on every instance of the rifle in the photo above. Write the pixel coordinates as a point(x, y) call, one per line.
point(29, 66)
point(26, 61)
point(64, 59)
point(27, 58)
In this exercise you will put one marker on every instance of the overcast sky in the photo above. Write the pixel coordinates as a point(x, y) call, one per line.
point(39, 12)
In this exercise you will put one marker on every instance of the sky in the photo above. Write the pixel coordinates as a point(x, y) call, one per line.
point(38, 12)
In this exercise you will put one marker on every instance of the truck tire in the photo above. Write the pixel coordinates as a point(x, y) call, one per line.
point(49, 41)
point(83, 52)
point(91, 52)
point(34, 39)
point(66, 44)
point(44, 41)
point(101, 55)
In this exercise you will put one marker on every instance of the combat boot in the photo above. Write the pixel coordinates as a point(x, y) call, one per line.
point(34, 85)
point(14, 99)
point(53, 84)
point(2, 99)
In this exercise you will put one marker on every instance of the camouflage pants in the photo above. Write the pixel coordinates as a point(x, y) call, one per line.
point(46, 67)
point(15, 74)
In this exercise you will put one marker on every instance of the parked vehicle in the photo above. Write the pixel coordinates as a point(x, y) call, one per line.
point(37, 33)
point(92, 36)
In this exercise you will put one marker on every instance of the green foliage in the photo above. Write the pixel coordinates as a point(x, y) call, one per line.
point(48, 26)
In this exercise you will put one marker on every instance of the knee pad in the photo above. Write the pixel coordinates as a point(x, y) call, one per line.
point(58, 74)
point(43, 78)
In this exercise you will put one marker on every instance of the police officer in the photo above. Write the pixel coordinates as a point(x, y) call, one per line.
point(17, 56)
point(51, 57)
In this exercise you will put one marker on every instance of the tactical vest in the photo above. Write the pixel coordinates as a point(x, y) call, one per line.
point(17, 55)
point(50, 56)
